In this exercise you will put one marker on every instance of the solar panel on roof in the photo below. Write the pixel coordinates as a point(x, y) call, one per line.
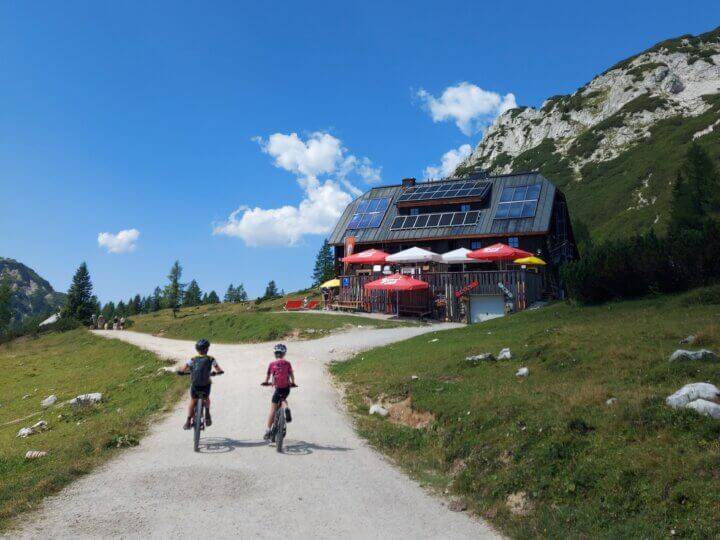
point(445, 190)
point(369, 214)
point(518, 202)
point(444, 219)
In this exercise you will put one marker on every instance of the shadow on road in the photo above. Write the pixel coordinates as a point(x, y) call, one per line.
point(222, 445)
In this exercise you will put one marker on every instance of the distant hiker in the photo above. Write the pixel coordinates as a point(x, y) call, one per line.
point(101, 322)
point(122, 323)
point(93, 320)
point(326, 298)
point(305, 302)
point(116, 322)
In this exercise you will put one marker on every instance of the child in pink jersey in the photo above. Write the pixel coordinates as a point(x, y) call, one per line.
point(283, 379)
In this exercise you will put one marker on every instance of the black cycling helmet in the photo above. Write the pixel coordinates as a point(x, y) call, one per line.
point(280, 349)
point(202, 346)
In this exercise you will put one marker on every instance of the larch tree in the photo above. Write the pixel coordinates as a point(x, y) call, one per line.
point(324, 265)
point(174, 289)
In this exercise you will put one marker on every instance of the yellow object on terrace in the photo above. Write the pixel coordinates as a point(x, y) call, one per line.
point(530, 261)
point(330, 284)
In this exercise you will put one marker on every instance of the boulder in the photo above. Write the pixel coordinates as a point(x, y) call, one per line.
point(40, 426)
point(87, 399)
point(691, 392)
point(49, 401)
point(25, 432)
point(414, 377)
point(688, 340)
point(705, 407)
point(673, 84)
point(660, 73)
point(505, 354)
point(34, 454)
point(522, 372)
point(611, 401)
point(378, 409)
point(484, 357)
point(702, 354)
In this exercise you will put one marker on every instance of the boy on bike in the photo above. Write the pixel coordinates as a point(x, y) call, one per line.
point(200, 368)
point(283, 379)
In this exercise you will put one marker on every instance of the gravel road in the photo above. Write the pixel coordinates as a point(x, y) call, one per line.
point(328, 484)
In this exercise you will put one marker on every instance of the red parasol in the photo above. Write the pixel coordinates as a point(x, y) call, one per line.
point(370, 256)
point(499, 252)
point(397, 282)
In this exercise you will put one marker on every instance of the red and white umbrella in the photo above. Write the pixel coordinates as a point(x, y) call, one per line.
point(370, 256)
point(499, 252)
point(396, 282)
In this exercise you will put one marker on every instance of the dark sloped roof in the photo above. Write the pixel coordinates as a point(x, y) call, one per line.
point(485, 225)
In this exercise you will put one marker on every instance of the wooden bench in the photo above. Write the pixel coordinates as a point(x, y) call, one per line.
point(419, 311)
point(293, 305)
point(350, 305)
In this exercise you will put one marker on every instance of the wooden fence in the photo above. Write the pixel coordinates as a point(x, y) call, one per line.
point(440, 300)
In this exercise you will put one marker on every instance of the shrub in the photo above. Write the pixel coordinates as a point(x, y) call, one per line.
point(645, 265)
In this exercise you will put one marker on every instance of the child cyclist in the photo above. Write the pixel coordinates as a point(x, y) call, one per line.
point(200, 368)
point(283, 379)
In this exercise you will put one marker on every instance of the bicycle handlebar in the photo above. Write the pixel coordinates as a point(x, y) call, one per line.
point(190, 373)
point(270, 384)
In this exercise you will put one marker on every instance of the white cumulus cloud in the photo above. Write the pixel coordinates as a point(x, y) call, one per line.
point(468, 105)
point(322, 167)
point(449, 162)
point(122, 242)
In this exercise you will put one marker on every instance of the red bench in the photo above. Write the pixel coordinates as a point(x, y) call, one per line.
point(293, 305)
point(313, 304)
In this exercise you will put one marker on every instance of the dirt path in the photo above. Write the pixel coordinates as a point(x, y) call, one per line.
point(329, 484)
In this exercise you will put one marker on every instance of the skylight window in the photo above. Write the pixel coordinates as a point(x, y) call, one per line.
point(518, 202)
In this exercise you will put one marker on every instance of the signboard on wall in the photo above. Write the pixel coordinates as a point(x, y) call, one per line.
point(349, 250)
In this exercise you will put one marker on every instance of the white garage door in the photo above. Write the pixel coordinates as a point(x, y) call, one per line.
point(483, 308)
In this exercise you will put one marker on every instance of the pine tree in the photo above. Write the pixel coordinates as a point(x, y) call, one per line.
point(212, 298)
point(79, 304)
point(695, 193)
point(5, 304)
point(193, 294)
point(271, 290)
point(204, 298)
point(240, 294)
point(146, 304)
point(156, 301)
point(120, 309)
point(229, 294)
point(324, 265)
point(108, 311)
point(174, 289)
point(130, 310)
point(137, 304)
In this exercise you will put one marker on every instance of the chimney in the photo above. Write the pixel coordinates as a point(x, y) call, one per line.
point(408, 182)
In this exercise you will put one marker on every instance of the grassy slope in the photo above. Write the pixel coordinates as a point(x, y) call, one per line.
point(69, 364)
point(634, 469)
point(240, 323)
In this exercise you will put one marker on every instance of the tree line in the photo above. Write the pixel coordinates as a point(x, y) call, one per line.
point(686, 256)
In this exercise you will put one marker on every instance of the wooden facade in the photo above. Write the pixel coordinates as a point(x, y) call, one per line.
point(440, 300)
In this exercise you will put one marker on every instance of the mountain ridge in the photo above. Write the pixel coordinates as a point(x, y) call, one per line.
point(615, 145)
point(32, 294)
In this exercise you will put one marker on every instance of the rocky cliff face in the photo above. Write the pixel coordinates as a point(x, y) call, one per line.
point(619, 139)
point(32, 295)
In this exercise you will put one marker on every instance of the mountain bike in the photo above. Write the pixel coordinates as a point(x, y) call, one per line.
point(278, 430)
point(199, 418)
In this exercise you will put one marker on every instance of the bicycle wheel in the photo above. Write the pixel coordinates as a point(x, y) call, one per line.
point(280, 429)
point(198, 423)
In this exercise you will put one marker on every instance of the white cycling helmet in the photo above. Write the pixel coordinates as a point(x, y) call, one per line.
point(280, 348)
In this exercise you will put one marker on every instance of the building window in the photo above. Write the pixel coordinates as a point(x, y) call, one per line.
point(513, 241)
point(464, 207)
point(475, 244)
point(414, 211)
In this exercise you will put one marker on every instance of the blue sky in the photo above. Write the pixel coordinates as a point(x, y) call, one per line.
point(172, 118)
